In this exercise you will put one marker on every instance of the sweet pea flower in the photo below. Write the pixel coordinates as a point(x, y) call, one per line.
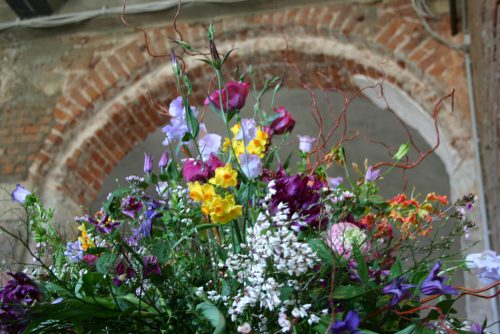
point(178, 126)
point(486, 265)
point(306, 143)
point(209, 145)
point(251, 165)
point(350, 324)
point(19, 194)
point(248, 130)
point(434, 284)
point(233, 96)
point(284, 123)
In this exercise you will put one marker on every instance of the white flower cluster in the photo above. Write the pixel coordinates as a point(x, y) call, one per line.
point(272, 250)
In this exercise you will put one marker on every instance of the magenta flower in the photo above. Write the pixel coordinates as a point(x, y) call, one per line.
point(90, 259)
point(197, 170)
point(434, 284)
point(131, 206)
point(19, 194)
point(284, 123)
point(151, 265)
point(123, 273)
point(398, 290)
point(233, 96)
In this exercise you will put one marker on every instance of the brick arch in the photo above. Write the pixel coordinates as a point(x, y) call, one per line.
point(105, 111)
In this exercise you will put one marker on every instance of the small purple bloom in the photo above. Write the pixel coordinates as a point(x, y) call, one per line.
point(350, 324)
point(151, 265)
point(148, 163)
point(251, 165)
point(103, 224)
point(19, 194)
point(372, 174)
point(486, 266)
point(123, 273)
point(178, 125)
point(20, 290)
point(334, 182)
point(306, 143)
point(131, 206)
point(147, 225)
point(164, 160)
point(476, 328)
point(74, 251)
point(398, 290)
point(434, 284)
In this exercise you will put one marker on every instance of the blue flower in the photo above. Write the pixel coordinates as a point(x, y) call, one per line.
point(398, 290)
point(349, 325)
point(433, 284)
point(19, 194)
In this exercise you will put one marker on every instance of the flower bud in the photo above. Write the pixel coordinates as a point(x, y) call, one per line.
point(284, 123)
point(148, 163)
point(164, 160)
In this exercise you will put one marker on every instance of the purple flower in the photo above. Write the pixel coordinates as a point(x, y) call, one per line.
point(164, 160)
point(476, 328)
point(148, 163)
point(197, 170)
point(178, 125)
point(248, 130)
point(74, 251)
point(398, 290)
point(372, 174)
point(251, 165)
point(486, 265)
point(349, 325)
point(131, 206)
point(283, 123)
point(20, 290)
point(19, 194)
point(123, 273)
point(434, 284)
point(233, 96)
point(334, 182)
point(151, 265)
point(209, 145)
point(103, 222)
point(90, 259)
point(306, 143)
point(302, 194)
point(147, 225)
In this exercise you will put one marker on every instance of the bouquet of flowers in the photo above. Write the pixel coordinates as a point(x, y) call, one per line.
point(224, 236)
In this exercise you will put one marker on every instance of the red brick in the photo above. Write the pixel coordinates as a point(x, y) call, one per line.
point(79, 98)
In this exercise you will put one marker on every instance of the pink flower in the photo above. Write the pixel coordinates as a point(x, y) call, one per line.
point(342, 238)
point(233, 96)
point(197, 170)
point(284, 123)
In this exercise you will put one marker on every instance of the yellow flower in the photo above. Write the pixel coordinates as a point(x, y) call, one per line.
point(226, 145)
point(222, 210)
point(225, 177)
point(84, 239)
point(258, 144)
point(236, 129)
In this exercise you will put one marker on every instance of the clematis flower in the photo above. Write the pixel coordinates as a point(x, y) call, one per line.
point(433, 284)
point(148, 163)
point(151, 265)
point(151, 214)
point(486, 265)
point(284, 123)
point(251, 165)
point(350, 324)
point(398, 290)
point(233, 96)
point(178, 126)
point(131, 206)
point(19, 194)
point(343, 236)
point(306, 143)
point(372, 174)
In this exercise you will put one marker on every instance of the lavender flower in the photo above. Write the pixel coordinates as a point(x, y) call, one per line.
point(486, 265)
point(350, 324)
point(306, 143)
point(209, 145)
point(131, 206)
point(164, 160)
point(476, 328)
point(251, 165)
point(398, 290)
point(334, 182)
point(148, 163)
point(372, 174)
point(19, 194)
point(74, 251)
point(248, 130)
point(433, 284)
point(178, 125)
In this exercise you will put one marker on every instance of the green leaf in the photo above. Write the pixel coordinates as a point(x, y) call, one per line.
point(213, 315)
point(347, 292)
point(366, 331)
point(396, 269)
point(104, 262)
point(408, 330)
point(362, 268)
point(191, 121)
point(402, 151)
point(322, 250)
point(160, 249)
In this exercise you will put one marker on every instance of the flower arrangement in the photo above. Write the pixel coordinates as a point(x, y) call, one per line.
point(224, 237)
